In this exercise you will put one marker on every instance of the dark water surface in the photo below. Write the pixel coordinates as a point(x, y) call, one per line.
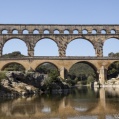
point(81, 103)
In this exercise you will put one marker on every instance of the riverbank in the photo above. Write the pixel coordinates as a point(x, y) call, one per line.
point(113, 82)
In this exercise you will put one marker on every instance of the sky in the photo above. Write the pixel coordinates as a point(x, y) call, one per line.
point(60, 12)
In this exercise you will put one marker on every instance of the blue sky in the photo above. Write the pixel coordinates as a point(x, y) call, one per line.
point(59, 12)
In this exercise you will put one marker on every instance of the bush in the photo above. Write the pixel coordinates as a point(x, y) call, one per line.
point(90, 79)
point(2, 75)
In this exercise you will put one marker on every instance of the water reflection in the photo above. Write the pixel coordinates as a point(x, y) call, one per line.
point(82, 103)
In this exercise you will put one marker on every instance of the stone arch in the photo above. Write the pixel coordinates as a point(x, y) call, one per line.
point(81, 38)
point(88, 63)
point(113, 31)
point(75, 38)
point(66, 31)
point(25, 31)
point(75, 31)
point(46, 31)
point(4, 31)
point(47, 38)
point(2, 69)
point(107, 43)
point(13, 38)
point(49, 63)
point(15, 31)
point(94, 31)
point(103, 31)
point(56, 31)
point(35, 31)
point(84, 31)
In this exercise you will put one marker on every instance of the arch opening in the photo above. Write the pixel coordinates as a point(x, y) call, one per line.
point(66, 31)
point(80, 47)
point(85, 31)
point(83, 73)
point(36, 31)
point(25, 31)
point(103, 31)
point(113, 31)
point(94, 31)
point(13, 66)
point(14, 47)
point(4, 32)
point(48, 70)
point(110, 47)
point(15, 31)
point(113, 70)
point(46, 32)
point(56, 32)
point(75, 32)
point(46, 47)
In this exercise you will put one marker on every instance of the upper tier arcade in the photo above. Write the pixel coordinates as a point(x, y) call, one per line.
point(60, 33)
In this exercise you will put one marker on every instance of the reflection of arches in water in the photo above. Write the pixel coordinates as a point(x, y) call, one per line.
point(63, 106)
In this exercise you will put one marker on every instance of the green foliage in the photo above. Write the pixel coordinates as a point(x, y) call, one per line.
point(90, 79)
point(113, 54)
point(14, 67)
point(113, 70)
point(71, 82)
point(82, 72)
point(2, 75)
point(47, 81)
point(53, 74)
point(13, 55)
point(45, 68)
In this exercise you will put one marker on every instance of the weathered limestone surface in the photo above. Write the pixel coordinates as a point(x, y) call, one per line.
point(97, 39)
point(62, 40)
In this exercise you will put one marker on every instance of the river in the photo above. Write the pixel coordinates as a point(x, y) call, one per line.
point(80, 103)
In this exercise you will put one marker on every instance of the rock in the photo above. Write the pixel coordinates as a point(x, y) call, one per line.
point(28, 88)
point(117, 82)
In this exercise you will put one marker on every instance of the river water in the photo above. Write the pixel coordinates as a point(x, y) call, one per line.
point(80, 103)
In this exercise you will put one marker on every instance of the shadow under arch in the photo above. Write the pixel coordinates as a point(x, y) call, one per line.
point(89, 64)
point(86, 41)
point(22, 44)
point(48, 65)
point(113, 70)
point(110, 45)
point(50, 42)
point(13, 66)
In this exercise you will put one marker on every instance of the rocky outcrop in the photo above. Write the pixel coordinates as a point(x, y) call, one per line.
point(113, 82)
point(14, 85)
point(19, 83)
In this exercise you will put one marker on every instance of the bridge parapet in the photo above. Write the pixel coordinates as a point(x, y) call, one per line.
point(61, 58)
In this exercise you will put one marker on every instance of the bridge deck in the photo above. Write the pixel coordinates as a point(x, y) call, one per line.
point(61, 58)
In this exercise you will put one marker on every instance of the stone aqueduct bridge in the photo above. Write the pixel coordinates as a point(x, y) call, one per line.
point(95, 34)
